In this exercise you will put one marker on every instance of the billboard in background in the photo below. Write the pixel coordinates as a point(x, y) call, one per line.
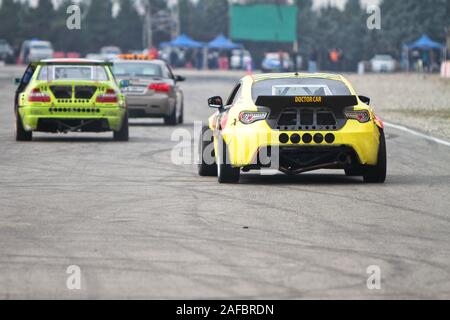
point(264, 22)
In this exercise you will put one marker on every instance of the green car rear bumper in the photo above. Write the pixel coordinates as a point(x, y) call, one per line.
point(92, 119)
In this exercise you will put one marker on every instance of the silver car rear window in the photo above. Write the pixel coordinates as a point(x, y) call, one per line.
point(138, 70)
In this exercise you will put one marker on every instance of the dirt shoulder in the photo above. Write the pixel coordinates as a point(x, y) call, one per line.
point(420, 102)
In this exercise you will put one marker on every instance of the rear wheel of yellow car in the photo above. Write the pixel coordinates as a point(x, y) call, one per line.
point(21, 133)
point(123, 133)
point(226, 173)
point(354, 172)
point(377, 174)
point(207, 166)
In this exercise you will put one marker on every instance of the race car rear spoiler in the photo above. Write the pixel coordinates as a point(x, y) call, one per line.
point(339, 102)
point(72, 62)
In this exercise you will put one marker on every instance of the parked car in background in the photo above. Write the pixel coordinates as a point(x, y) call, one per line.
point(383, 63)
point(94, 56)
point(277, 62)
point(110, 53)
point(6, 52)
point(240, 59)
point(35, 50)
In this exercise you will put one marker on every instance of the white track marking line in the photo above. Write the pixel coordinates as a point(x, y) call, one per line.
point(416, 133)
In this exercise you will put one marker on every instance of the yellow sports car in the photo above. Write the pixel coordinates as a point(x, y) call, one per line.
point(294, 123)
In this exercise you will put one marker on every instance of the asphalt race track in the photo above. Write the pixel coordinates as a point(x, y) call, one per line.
point(140, 226)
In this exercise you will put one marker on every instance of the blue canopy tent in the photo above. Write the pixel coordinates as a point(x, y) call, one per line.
point(425, 43)
point(221, 42)
point(183, 41)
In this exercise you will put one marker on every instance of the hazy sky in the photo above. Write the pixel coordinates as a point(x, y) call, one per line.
point(341, 3)
point(317, 3)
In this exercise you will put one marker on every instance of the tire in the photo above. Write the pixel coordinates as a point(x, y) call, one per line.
point(205, 169)
point(181, 116)
point(21, 133)
point(225, 172)
point(377, 174)
point(171, 120)
point(123, 133)
point(354, 172)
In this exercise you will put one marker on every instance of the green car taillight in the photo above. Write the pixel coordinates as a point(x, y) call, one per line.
point(109, 96)
point(37, 96)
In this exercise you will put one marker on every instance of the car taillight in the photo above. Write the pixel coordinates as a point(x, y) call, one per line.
point(37, 96)
point(159, 87)
point(362, 116)
point(249, 117)
point(109, 96)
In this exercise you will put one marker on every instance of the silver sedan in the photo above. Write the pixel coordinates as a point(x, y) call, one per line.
point(151, 90)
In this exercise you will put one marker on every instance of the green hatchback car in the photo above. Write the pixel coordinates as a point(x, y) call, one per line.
point(70, 95)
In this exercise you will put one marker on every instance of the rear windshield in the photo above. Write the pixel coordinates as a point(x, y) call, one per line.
point(139, 70)
point(82, 73)
point(299, 87)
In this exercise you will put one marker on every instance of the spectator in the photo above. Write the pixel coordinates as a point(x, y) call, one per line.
point(312, 62)
point(426, 60)
point(173, 57)
point(334, 59)
point(282, 68)
point(199, 59)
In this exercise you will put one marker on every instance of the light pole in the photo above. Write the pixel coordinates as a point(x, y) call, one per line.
point(176, 14)
point(147, 32)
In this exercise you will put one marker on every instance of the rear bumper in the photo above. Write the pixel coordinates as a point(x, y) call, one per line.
point(90, 119)
point(244, 143)
point(157, 105)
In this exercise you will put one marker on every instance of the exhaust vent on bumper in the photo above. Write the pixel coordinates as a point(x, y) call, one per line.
point(75, 110)
point(307, 138)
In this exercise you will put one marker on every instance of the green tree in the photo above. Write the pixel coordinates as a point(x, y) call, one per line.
point(97, 25)
point(160, 35)
point(214, 17)
point(352, 34)
point(42, 23)
point(10, 11)
point(306, 26)
point(187, 14)
point(128, 26)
